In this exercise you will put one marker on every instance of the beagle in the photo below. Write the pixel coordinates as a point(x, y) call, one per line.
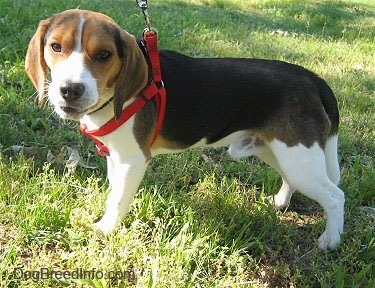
point(280, 112)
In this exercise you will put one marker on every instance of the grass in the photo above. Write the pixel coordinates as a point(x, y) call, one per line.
point(199, 218)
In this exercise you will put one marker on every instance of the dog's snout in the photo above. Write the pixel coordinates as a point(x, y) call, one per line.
point(72, 91)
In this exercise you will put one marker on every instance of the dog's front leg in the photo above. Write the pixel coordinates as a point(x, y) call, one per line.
point(124, 177)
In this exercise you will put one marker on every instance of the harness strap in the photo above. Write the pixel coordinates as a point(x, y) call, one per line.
point(151, 41)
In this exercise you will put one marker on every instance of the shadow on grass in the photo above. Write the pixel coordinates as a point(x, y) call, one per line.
point(326, 20)
point(239, 219)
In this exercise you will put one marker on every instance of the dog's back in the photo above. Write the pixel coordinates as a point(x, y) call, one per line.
point(228, 95)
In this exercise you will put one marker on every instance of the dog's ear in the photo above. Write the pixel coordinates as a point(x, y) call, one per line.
point(133, 75)
point(35, 64)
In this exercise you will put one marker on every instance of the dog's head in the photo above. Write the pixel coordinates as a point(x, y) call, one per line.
point(90, 58)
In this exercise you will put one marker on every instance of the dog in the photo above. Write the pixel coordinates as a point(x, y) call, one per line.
point(280, 112)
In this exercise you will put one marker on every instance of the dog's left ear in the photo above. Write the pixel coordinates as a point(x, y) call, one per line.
point(133, 75)
point(35, 65)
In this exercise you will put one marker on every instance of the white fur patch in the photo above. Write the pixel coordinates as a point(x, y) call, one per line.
point(244, 146)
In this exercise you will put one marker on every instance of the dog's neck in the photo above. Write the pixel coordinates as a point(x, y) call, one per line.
point(101, 116)
point(98, 118)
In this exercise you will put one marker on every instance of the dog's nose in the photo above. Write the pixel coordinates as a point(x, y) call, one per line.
point(72, 91)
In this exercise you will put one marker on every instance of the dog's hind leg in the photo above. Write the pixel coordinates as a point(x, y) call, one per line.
point(251, 145)
point(282, 198)
point(305, 169)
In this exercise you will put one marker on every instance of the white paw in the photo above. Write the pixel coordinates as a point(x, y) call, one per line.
point(105, 226)
point(329, 240)
point(278, 202)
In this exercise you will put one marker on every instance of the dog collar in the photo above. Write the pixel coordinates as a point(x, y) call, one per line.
point(155, 90)
point(101, 107)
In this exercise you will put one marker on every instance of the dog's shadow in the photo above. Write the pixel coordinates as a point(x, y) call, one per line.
point(327, 19)
point(227, 198)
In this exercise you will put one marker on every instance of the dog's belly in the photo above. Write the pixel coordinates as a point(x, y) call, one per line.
point(242, 144)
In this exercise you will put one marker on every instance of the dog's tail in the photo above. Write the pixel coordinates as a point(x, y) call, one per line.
point(330, 105)
point(330, 150)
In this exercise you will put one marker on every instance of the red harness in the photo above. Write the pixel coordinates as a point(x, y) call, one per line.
point(156, 89)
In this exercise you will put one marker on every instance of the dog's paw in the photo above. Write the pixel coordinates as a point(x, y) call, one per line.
point(104, 226)
point(279, 202)
point(329, 240)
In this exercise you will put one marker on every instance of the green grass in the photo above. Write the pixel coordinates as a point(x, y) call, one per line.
point(199, 218)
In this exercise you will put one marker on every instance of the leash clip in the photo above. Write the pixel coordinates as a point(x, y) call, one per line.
point(144, 7)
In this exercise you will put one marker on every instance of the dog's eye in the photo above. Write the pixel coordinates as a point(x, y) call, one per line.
point(103, 55)
point(56, 47)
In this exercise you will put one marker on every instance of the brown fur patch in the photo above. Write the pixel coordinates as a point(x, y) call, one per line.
point(293, 126)
point(144, 126)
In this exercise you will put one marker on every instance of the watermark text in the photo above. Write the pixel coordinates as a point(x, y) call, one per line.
point(19, 273)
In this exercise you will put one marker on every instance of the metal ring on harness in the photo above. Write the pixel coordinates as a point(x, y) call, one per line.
point(149, 30)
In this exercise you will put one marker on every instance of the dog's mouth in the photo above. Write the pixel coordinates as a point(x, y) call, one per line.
point(70, 110)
